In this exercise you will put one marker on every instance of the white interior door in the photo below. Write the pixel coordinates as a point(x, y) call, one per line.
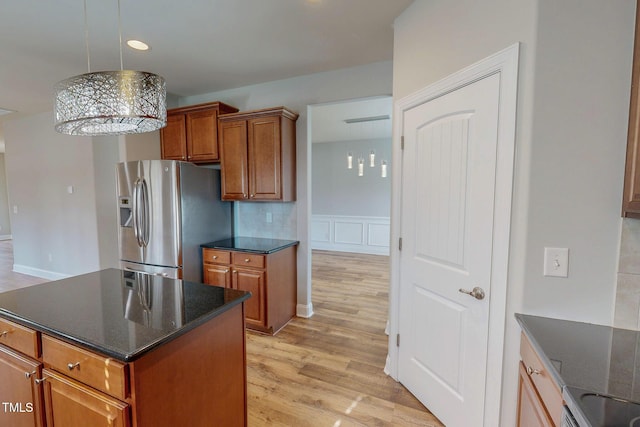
point(447, 217)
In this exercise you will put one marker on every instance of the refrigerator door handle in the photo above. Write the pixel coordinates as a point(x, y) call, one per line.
point(146, 272)
point(146, 220)
point(136, 209)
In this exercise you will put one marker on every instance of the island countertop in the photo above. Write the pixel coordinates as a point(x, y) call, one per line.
point(117, 313)
point(258, 245)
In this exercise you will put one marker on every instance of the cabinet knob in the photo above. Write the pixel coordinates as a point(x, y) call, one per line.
point(3, 333)
point(252, 196)
point(215, 257)
point(244, 195)
point(29, 374)
point(247, 260)
point(40, 380)
point(72, 366)
point(531, 371)
point(227, 270)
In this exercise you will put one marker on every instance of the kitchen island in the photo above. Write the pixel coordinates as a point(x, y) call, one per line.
point(594, 369)
point(119, 348)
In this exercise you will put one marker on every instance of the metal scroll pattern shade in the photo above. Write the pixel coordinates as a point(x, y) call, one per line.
point(110, 103)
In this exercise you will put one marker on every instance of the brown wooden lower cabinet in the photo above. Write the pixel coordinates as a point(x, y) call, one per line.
point(20, 395)
point(531, 410)
point(539, 397)
point(196, 379)
point(71, 403)
point(271, 279)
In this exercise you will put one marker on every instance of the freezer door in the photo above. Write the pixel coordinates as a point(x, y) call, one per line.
point(149, 212)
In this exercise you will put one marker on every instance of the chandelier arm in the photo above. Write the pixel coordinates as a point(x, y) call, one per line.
point(86, 37)
point(119, 35)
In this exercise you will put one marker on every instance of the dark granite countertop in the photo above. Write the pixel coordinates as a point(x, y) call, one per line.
point(117, 313)
point(587, 358)
point(251, 244)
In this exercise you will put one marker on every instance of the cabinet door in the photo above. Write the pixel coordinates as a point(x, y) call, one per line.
point(202, 141)
point(232, 137)
point(531, 411)
point(217, 275)
point(265, 169)
point(21, 397)
point(70, 403)
point(253, 281)
point(173, 138)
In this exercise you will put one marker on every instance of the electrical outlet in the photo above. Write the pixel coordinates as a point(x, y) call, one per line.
point(556, 262)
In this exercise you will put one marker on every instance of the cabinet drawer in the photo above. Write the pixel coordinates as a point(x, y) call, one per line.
point(19, 338)
point(102, 373)
point(542, 380)
point(215, 256)
point(248, 260)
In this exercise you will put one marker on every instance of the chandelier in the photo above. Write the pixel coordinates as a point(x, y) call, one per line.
point(110, 102)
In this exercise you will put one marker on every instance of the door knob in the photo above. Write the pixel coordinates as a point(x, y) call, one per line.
point(476, 292)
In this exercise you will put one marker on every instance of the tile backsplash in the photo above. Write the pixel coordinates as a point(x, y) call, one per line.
point(627, 309)
point(252, 220)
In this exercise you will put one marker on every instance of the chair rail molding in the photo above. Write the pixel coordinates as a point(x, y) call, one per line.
point(360, 234)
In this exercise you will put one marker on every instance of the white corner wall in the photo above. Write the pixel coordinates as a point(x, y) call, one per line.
point(55, 233)
point(575, 65)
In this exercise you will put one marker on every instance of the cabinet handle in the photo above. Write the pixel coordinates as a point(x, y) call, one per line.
point(3, 333)
point(215, 257)
point(72, 366)
point(227, 270)
point(247, 260)
point(531, 371)
point(252, 196)
point(235, 271)
point(40, 380)
point(28, 375)
point(244, 195)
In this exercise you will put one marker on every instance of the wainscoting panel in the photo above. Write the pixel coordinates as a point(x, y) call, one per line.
point(367, 235)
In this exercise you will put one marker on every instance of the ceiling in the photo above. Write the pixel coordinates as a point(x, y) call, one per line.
point(198, 46)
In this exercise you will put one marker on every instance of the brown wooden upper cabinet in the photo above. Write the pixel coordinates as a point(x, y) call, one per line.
point(258, 155)
point(631, 194)
point(191, 133)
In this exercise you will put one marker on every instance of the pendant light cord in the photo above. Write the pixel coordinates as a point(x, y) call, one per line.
point(86, 37)
point(119, 35)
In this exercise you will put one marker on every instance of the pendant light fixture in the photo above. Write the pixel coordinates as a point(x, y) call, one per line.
point(110, 102)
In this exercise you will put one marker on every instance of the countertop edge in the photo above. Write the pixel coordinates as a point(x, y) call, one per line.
point(250, 250)
point(122, 357)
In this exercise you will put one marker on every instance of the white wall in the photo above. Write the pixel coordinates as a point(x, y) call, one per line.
point(570, 141)
point(337, 190)
point(55, 233)
point(292, 219)
point(5, 223)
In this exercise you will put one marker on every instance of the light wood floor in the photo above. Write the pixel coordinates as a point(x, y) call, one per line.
point(322, 371)
point(328, 370)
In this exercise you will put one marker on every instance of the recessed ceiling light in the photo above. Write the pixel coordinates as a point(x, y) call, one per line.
point(137, 45)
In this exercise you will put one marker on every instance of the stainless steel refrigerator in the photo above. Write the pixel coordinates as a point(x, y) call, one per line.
point(166, 210)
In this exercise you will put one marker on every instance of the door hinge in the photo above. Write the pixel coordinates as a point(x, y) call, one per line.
point(400, 244)
point(398, 340)
point(402, 142)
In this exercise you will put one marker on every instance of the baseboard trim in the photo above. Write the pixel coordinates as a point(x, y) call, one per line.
point(37, 272)
point(305, 311)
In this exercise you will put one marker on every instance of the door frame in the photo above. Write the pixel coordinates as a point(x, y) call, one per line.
point(505, 63)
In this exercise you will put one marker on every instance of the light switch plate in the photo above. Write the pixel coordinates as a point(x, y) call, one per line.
point(556, 262)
